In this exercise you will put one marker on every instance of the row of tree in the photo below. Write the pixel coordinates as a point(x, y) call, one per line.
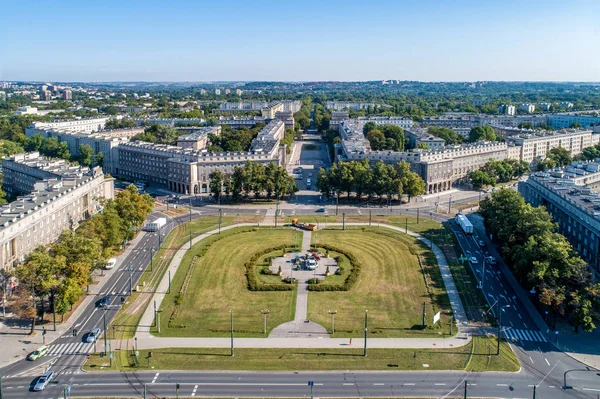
point(385, 137)
point(557, 156)
point(51, 147)
point(259, 179)
point(542, 259)
point(498, 172)
point(58, 272)
point(362, 178)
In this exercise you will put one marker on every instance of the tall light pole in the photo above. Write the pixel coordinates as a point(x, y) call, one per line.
point(366, 328)
point(231, 322)
point(104, 317)
point(265, 312)
point(220, 218)
point(130, 269)
point(332, 313)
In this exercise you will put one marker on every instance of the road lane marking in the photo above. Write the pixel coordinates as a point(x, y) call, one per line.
point(591, 389)
point(531, 360)
point(409, 383)
point(348, 383)
point(501, 385)
point(378, 383)
point(547, 362)
point(155, 377)
point(519, 314)
point(439, 384)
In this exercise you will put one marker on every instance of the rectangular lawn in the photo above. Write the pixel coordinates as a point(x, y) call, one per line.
point(218, 284)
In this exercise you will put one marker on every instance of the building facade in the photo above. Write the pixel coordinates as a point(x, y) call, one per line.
point(572, 204)
point(61, 196)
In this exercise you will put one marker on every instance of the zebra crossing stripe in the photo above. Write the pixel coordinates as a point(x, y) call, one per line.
point(526, 333)
point(541, 336)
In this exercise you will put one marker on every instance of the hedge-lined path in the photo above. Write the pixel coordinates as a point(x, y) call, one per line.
point(147, 341)
point(301, 327)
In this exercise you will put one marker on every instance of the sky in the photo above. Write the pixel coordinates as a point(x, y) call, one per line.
point(302, 40)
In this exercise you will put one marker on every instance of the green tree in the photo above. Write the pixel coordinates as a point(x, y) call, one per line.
point(85, 154)
point(485, 133)
point(575, 125)
point(216, 184)
point(560, 156)
point(478, 178)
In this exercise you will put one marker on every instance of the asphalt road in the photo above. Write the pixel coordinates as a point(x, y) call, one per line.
point(325, 384)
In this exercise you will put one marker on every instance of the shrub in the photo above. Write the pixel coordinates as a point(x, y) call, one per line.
point(313, 281)
point(350, 280)
point(266, 271)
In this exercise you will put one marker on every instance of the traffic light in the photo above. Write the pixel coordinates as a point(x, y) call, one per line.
point(74, 332)
point(43, 330)
point(177, 386)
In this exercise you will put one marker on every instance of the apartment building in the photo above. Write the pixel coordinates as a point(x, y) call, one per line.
point(535, 146)
point(563, 120)
point(77, 125)
point(402, 121)
point(527, 107)
point(56, 197)
point(336, 118)
point(197, 138)
point(572, 203)
point(67, 95)
point(351, 106)
point(507, 109)
point(186, 170)
point(417, 135)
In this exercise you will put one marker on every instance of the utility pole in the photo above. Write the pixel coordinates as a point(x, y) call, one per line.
point(169, 288)
point(366, 328)
point(534, 391)
point(449, 204)
point(343, 220)
point(151, 258)
point(417, 215)
point(337, 203)
point(158, 321)
point(265, 312)
point(231, 313)
point(220, 217)
point(190, 209)
point(104, 318)
point(499, 324)
point(190, 239)
point(130, 280)
point(155, 320)
point(370, 218)
point(465, 397)
point(332, 313)
point(144, 391)
point(406, 225)
point(424, 315)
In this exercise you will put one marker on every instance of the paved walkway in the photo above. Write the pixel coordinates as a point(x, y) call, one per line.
point(301, 327)
point(316, 339)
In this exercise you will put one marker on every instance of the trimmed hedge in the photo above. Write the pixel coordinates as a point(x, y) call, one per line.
point(350, 280)
point(253, 282)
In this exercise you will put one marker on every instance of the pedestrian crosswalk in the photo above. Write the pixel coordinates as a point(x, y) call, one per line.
point(71, 348)
point(524, 335)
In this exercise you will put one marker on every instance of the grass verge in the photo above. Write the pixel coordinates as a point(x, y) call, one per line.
point(479, 355)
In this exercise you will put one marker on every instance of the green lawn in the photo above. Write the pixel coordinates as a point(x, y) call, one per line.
point(218, 284)
point(391, 286)
point(479, 355)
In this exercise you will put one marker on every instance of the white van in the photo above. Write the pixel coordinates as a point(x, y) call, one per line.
point(111, 263)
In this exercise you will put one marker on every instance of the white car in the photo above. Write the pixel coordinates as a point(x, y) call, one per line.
point(473, 260)
point(311, 264)
point(93, 335)
point(43, 381)
point(492, 260)
point(111, 263)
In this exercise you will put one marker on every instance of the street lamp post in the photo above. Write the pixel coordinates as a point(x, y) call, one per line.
point(231, 322)
point(343, 220)
point(265, 312)
point(366, 328)
point(332, 313)
point(104, 318)
point(130, 269)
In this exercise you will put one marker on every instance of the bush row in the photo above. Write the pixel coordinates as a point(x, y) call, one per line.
point(254, 284)
point(350, 280)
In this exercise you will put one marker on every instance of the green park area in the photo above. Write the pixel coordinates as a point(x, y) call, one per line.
point(212, 280)
point(398, 277)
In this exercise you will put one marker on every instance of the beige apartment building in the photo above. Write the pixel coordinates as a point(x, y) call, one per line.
point(61, 196)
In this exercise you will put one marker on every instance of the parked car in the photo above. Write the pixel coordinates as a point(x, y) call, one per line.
point(43, 381)
point(481, 243)
point(39, 352)
point(104, 301)
point(474, 260)
point(492, 260)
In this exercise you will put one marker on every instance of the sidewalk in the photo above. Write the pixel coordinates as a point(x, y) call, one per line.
point(15, 338)
point(150, 342)
point(146, 340)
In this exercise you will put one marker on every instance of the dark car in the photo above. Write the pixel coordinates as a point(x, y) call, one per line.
point(104, 301)
point(321, 210)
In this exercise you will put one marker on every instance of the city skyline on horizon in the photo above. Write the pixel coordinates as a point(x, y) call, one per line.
point(541, 41)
